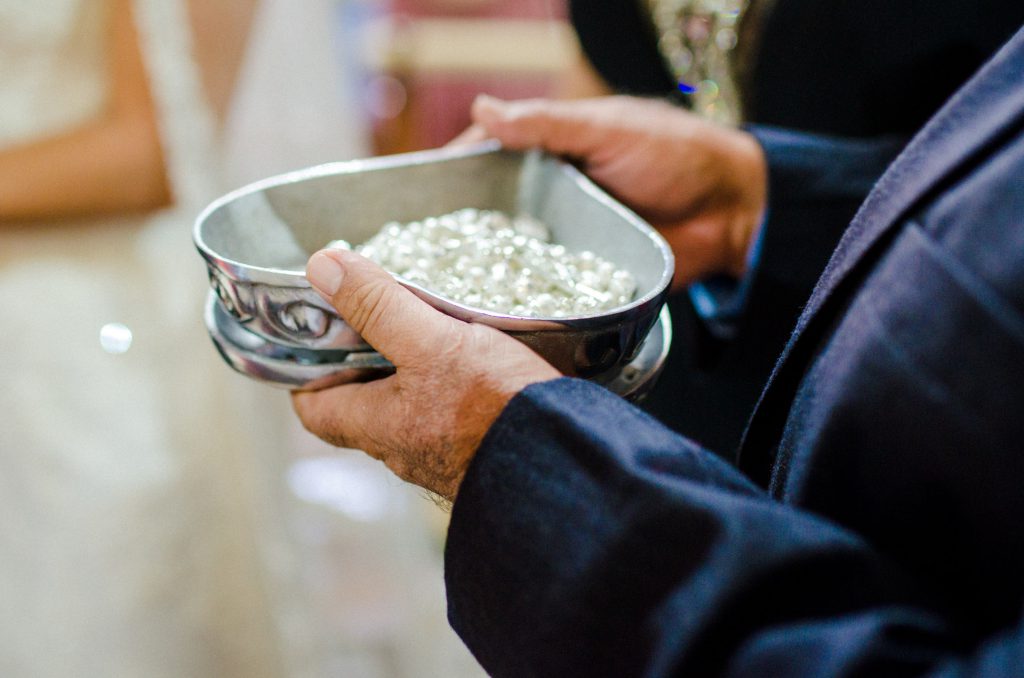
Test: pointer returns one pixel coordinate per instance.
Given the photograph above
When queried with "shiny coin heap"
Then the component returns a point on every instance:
(487, 260)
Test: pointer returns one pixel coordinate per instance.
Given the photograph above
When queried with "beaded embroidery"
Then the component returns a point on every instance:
(696, 38)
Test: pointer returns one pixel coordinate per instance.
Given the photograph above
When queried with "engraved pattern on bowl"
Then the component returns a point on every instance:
(227, 292)
(286, 367)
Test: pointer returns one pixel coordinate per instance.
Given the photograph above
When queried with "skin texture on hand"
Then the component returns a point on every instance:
(702, 185)
(451, 382)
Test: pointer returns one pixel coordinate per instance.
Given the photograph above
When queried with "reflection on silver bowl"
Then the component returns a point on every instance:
(294, 368)
(256, 241)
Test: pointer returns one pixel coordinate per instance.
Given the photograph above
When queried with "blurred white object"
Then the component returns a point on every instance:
(294, 104)
(130, 492)
(115, 338)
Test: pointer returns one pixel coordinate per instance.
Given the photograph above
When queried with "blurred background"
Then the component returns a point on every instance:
(427, 59)
(159, 514)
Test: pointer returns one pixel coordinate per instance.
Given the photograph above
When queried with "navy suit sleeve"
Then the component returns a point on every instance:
(587, 540)
(815, 186)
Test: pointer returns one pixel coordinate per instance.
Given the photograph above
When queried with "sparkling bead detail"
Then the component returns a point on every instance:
(697, 39)
(488, 260)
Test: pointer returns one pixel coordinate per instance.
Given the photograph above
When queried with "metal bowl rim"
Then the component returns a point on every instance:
(285, 278)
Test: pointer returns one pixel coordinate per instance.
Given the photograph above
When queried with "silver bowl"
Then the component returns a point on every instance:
(305, 369)
(257, 239)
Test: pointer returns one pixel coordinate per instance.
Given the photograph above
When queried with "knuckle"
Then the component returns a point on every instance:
(530, 116)
(369, 303)
(533, 111)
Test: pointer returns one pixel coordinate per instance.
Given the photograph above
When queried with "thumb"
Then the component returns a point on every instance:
(401, 327)
(559, 127)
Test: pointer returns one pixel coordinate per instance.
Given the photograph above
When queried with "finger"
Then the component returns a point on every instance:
(348, 375)
(344, 415)
(572, 128)
(696, 244)
(471, 135)
(401, 327)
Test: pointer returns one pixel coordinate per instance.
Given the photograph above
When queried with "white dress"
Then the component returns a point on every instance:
(133, 513)
(151, 521)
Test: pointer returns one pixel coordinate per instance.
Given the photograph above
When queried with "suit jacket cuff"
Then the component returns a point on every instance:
(815, 186)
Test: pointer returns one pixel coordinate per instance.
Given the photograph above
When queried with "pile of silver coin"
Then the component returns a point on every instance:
(489, 260)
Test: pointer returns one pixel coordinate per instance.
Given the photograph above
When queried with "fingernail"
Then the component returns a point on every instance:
(486, 108)
(324, 273)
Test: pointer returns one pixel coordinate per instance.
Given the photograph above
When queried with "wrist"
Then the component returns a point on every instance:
(749, 179)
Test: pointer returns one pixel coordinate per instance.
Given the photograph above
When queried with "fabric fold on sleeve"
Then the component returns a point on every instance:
(589, 540)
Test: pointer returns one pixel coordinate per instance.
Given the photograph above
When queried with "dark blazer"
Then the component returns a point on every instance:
(853, 68)
(872, 71)
(882, 533)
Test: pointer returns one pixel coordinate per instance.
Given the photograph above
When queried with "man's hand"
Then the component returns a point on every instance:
(452, 379)
(703, 186)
